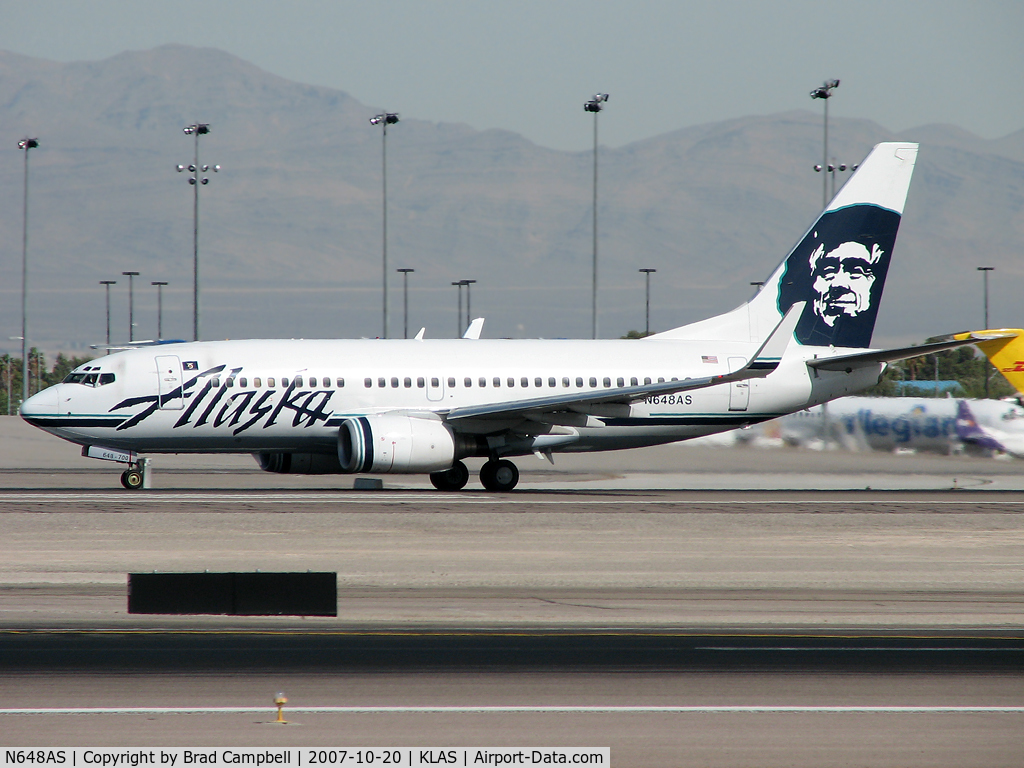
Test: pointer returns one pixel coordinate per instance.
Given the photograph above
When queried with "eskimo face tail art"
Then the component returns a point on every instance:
(839, 269)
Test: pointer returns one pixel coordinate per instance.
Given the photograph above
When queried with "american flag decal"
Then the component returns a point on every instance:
(713, 359)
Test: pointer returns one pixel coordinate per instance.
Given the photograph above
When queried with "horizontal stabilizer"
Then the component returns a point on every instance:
(849, 363)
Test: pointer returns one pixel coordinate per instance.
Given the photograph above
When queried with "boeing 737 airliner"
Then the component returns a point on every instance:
(421, 406)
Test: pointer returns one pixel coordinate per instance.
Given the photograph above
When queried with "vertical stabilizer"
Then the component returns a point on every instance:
(838, 267)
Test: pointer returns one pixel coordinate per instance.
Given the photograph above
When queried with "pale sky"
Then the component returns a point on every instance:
(528, 66)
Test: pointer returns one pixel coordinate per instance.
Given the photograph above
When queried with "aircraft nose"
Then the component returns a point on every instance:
(42, 404)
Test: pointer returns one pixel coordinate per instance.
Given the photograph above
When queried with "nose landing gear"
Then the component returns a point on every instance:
(499, 475)
(132, 479)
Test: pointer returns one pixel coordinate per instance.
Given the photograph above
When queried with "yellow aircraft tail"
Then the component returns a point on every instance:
(1004, 348)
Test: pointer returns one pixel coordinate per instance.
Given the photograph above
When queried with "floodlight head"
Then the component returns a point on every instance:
(180, 168)
(392, 118)
(27, 144)
(817, 168)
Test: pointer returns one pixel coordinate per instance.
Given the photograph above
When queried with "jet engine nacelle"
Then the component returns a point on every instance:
(299, 463)
(396, 442)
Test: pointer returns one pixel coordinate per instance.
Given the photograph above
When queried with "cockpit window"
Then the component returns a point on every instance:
(89, 379)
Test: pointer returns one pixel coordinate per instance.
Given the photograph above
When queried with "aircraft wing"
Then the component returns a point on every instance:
(765, 360)
(849, 363)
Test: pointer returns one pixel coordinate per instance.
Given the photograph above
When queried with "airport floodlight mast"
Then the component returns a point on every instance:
(106, 284)
(984, 271)
(469, 318)
(131, 304)
(458, 311)
(25, 144)
(405, 299)
(831, 169)
(824, 92)
(595, 105)
(159, 307)
(647, 305)
(196, 180)
(384, 119)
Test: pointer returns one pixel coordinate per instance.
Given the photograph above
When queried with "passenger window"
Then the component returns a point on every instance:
(593, 381)
(511, 382)
(382, 382)
(408, 382)
(243, 382)
(647, 380)
(256, 382)
(468, 382)
(312, 381)
(579, 381)
(551, 381)
(496, 381)
(230, 382)
(298, 381)
(565, 381)
(619, 382)
(106, 378)
(538, 382)
(451, 381)
(524, 382)
(421, 382)
(633, 382)
(215, 381)
(367, 383)
(483, 382)
(607, 382)
(661, 379)
(270, 381)
(394, 382)
(340, 382)
(436, 382)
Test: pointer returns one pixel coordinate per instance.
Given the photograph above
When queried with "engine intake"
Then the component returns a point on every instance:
(395, 442)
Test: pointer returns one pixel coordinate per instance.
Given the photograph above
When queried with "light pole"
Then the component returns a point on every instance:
(647, 277)
(159, 307)
(405, 298)
(595, 106)
(824, 92)
(984, 271)
(458, 312)
(469, 319)
(196, 180)
(131, 304)
(106, 284)
(831, 169)
(25, 144)
(384, 119)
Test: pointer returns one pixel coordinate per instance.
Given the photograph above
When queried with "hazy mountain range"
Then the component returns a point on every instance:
(290, 229)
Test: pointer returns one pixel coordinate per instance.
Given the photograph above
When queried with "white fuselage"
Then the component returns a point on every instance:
(292, 395)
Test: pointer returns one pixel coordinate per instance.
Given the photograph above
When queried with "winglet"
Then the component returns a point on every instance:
(419, 336)
(475, 329)
(769, 355)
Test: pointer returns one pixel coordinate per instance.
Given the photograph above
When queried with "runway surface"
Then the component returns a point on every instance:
(685, 607)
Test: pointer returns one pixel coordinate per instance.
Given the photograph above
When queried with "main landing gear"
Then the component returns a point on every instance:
(453, 479)
(497, 476)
